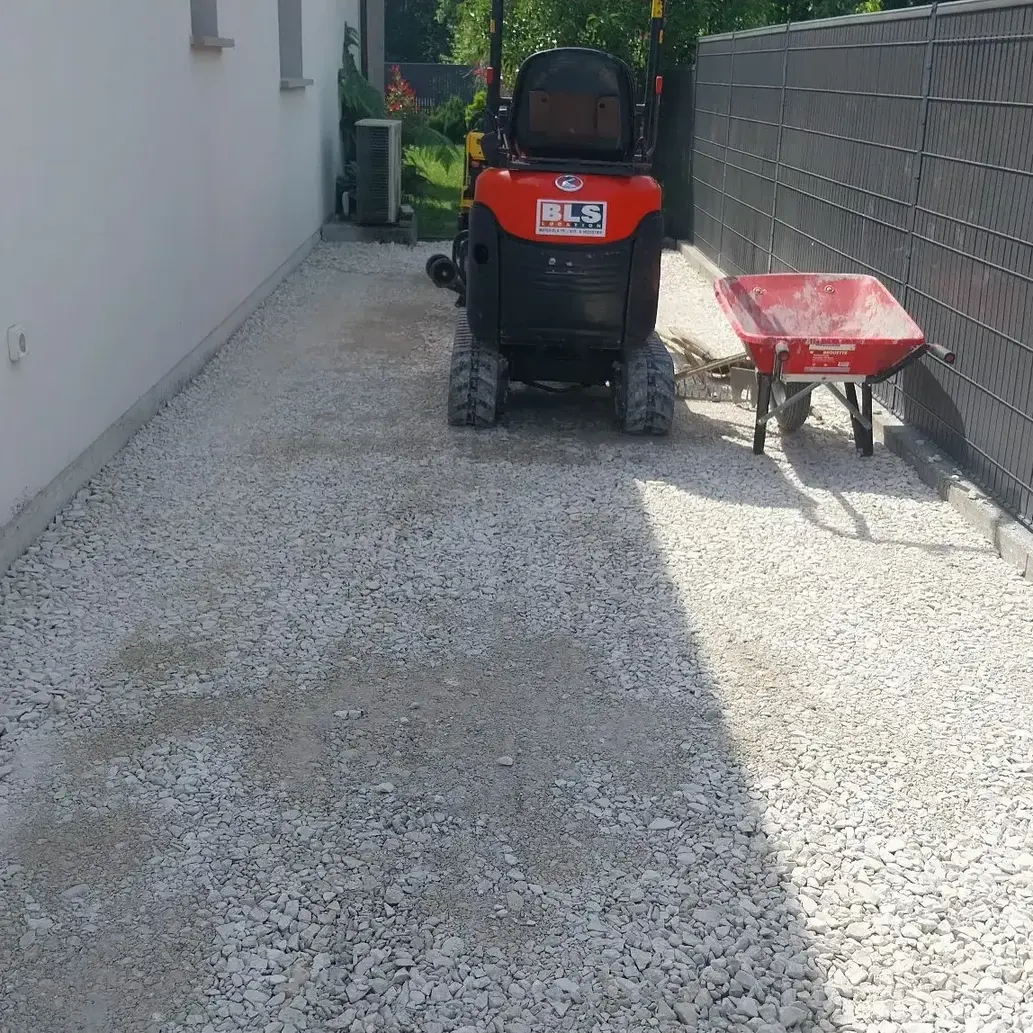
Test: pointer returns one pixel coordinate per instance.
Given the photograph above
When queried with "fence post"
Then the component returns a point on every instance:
(778, 145)
(892, 386)
(916, 175)
(690, 207)
(724, 166)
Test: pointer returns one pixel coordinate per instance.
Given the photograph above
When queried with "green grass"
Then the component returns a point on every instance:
(437, 202)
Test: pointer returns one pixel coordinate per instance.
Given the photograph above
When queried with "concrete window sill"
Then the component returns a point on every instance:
(296, 84)
(212, 42)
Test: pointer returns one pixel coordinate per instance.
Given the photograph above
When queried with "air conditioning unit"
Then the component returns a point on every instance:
(379, 173)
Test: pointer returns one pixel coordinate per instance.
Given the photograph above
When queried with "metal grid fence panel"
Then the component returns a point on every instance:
(713, 88)
(899, 145)
(972, 254)
(434, 83)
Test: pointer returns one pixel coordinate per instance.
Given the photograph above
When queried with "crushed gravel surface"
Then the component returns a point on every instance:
(318, 715)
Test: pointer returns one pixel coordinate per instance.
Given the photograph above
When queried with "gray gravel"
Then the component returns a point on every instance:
(687, 306)
(320, 716)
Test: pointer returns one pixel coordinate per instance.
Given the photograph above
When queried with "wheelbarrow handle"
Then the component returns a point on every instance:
(942, 353)
(936, 350)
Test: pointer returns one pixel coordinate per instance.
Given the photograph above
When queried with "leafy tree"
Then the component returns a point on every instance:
(804, 10)
(621, 26)
(618, 26)
(412, 31)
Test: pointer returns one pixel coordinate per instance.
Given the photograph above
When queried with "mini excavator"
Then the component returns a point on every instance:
(557, 260)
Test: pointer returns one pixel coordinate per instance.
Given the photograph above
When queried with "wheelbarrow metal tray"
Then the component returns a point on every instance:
(835, 327)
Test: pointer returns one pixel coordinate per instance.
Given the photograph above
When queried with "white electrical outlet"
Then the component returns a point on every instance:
(17, 343)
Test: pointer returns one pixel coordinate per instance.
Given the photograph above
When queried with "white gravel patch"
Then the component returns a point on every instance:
(687, 304)
(318, 715)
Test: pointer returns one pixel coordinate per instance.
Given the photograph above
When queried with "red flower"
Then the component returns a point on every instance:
(399, 95)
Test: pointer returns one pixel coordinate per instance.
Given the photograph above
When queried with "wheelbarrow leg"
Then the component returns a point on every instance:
(851, 394)
(760, 430)
(863, 436)
(866, 412)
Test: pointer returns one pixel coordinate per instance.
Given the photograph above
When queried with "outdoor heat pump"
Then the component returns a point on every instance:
(379, 171)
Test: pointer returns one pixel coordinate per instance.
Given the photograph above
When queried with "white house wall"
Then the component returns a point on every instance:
(147, 190)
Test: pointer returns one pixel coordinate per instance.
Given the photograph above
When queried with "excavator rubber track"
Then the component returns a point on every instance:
(645, 392)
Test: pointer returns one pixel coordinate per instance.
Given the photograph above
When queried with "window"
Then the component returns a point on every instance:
(204, 26)
(291, 75)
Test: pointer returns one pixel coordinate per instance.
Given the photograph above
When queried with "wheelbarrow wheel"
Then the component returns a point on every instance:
(795, 416)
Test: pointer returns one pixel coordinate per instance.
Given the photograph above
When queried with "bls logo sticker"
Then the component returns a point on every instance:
(571, 219)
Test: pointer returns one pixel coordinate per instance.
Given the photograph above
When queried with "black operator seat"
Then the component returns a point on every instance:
(573, 103)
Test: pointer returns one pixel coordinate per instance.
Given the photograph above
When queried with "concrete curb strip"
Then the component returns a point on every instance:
(33, 518)
(1013, 542)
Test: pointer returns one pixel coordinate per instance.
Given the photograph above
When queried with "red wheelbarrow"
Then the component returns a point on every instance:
(808, 330)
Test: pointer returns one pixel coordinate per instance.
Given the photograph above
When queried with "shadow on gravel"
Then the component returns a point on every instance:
(474, 774)
(822, 458)
(643, 872)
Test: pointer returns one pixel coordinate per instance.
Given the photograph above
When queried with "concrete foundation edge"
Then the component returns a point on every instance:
(340, 232)
(344, 231)
(36, 516)
(1013, 542)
